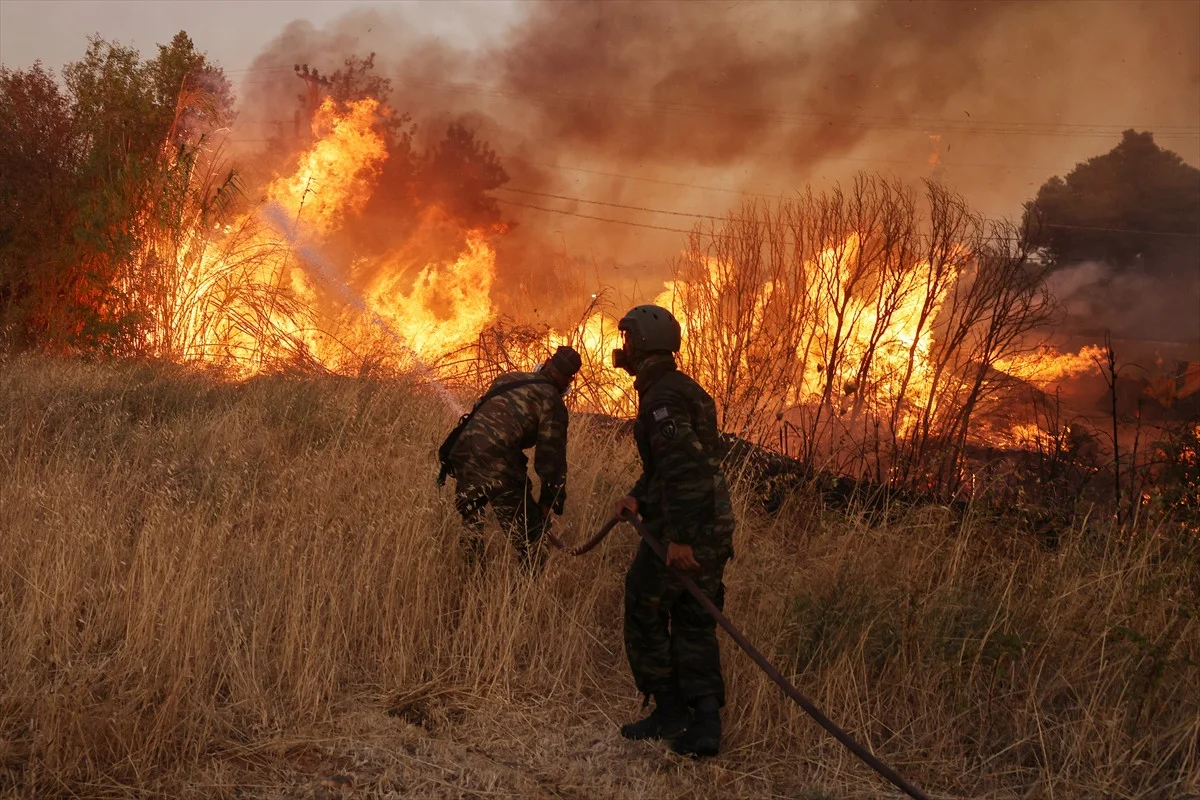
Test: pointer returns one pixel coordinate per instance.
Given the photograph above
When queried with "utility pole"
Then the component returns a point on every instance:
(313, 81)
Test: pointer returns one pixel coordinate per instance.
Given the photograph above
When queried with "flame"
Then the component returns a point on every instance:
(883, 349)
(438, 308)
(887, 350)
(602, 387)
(1025, 434)
(255, 297)
(1046, 367)
(257, 294)
(448, 305)
(335, 177)
(935, 140)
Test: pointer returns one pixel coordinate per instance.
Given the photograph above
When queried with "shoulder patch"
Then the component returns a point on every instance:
(660, 414)
(667, 429)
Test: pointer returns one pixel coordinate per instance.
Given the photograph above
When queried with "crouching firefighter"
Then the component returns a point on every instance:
(682, 498)
(484, 455)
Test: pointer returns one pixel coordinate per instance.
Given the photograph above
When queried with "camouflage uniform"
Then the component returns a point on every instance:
(682, 497)
(490, 467)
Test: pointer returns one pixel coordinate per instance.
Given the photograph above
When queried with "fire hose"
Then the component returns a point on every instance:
(774, 674)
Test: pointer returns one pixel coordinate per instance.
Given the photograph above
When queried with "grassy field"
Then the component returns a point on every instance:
(214, 589)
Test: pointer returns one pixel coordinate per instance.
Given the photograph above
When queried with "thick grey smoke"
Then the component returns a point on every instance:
(682, 106)
(696, 84)
(1130, 304)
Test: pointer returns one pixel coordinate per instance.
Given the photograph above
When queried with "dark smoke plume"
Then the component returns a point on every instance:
(681, 106)
(687, 84)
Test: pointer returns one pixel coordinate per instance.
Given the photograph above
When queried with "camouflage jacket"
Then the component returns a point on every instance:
(489, 450)
(682, 487)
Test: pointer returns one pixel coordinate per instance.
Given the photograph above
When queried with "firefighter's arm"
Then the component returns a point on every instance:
(682, 466)
(638, 492)
(550, 455)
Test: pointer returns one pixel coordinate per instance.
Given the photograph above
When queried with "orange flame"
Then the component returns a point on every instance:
(253, 298)
(335, 177)
(1047, 367)
(448, 305)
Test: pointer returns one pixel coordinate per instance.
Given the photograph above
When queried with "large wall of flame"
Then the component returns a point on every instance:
(760, 97)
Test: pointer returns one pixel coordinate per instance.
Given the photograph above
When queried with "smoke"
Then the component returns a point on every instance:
(694, 85)
(1138, 306)
(689, 107)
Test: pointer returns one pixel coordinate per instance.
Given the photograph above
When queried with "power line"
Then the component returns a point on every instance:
(691, 215)
(721, 219)
(591, 217)
(247, 70)
(612, 205)
(817, 118)
(767, 195)
(712, 234)
(1122, 230)
(638, 178)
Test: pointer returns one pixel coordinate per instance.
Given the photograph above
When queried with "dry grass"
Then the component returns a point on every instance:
(211, 589)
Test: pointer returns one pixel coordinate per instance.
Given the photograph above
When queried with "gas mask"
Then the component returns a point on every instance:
(623, 358)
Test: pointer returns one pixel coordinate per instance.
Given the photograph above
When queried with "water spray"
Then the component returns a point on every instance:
(326, 273)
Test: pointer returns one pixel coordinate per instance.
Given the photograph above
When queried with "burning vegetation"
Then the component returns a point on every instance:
(242, 537)
(870, 331)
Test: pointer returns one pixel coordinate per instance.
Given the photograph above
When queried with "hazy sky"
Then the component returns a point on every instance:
(232, 32)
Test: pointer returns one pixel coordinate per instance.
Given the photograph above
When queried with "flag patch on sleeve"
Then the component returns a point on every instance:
(660, 414)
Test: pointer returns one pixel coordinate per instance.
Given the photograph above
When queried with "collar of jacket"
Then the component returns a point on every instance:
(653, 368)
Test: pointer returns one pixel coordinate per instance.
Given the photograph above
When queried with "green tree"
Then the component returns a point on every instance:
(458, 172)
(83, 184)
(196, 91)
(1137, 206)
(129, 108)
(40, 151)
(137, 117)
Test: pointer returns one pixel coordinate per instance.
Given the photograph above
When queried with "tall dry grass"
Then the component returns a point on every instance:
(215, 589)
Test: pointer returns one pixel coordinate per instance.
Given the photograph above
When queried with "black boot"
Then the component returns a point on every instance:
(668, 719)
(703, 734)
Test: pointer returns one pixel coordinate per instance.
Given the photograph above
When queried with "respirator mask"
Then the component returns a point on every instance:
(623, 358)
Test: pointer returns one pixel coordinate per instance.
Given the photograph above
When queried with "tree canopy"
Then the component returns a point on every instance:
(79, 163)
(1135, 207)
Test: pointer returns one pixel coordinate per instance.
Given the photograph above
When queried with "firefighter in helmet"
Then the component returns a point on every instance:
(486, 455)
(683, 499)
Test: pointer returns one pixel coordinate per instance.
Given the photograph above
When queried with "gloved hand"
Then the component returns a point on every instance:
(553, 498)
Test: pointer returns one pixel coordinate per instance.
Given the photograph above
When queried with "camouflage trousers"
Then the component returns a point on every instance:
(670, 640)
(516, 510)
